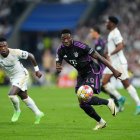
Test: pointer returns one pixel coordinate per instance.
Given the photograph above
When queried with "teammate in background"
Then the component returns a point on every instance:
(115, 51)
(9, 61)
(100, 47)
(80, 56)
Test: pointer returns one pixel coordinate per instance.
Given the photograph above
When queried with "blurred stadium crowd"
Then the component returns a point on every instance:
(44, 44)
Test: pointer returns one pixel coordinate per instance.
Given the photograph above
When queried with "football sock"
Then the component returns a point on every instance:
(31, 104)
(111, 90)
(97, 101)
(112, 96)
(133, 93)
(89, 110)
(15, 101)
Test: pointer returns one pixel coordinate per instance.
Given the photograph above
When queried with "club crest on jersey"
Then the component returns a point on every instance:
(75, 54)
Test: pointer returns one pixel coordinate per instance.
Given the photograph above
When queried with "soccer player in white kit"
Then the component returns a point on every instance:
(9, 61)
(115, 52)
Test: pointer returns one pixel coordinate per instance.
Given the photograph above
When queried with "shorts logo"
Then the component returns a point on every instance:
(90, 80)
(75, 54)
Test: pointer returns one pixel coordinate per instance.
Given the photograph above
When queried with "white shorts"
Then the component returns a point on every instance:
(20, 81)
(123, 68)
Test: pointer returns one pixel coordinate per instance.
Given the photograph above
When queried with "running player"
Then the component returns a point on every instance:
(80, 56)
(115, 51)
(9, 61)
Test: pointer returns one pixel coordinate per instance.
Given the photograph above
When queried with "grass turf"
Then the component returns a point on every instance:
(64, 120)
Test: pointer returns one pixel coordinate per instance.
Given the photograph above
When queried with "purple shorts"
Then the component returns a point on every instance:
(91, 79)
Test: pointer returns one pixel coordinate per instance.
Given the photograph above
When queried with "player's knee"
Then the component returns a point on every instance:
(108, 87)
(83, 105)
(126, 83)
(23, 95)
(11, 93)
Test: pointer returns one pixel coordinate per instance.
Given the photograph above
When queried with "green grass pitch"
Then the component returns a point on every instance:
(64, 120)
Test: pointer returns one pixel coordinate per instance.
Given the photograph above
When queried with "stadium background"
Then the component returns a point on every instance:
(34, 26)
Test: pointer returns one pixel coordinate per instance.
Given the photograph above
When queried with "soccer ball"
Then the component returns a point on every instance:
(85, 93)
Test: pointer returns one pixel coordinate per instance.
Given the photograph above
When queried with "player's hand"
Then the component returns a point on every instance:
(38, 74)
(117, 74)
(58, 67)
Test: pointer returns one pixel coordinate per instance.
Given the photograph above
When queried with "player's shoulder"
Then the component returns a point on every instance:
(79, 44)
(15, 51)
(60, 47)
(116, 31)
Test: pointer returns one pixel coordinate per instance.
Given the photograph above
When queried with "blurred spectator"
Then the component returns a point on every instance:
(48, 63)
(9, 12)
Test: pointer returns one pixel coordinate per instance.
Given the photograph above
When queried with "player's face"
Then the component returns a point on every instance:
(109, 25)
(92, 33)
(66, 39)
(4, 48)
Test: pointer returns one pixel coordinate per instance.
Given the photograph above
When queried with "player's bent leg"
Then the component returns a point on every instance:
(89, 110)
(31, 104)
(97, 101)
(133, 93)
(15, 101)
(108, 88)
(121, 99)
(100, 101)
(112, 96)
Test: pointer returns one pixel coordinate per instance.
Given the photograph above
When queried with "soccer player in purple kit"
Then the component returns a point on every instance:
(82, 57)
(101, 48)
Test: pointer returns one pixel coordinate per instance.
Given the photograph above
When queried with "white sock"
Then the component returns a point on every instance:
(31, 104)
(102, 121)
(111, 89)
(133, 93)
(15, 101)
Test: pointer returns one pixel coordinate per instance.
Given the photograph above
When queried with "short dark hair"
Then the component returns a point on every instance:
(97, 29)
(2, 39)
(113, 19)
(65, 31)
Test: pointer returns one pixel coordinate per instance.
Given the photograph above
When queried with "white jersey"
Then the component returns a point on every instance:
(115, 38)
(11, 63)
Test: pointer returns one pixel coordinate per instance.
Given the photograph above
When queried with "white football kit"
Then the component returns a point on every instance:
(14, 69)
(118, 60)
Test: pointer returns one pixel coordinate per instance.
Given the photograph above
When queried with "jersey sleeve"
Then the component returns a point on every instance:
(89, 50)
(21, 54)
(84, 47)
(59, 56)
(117, 38)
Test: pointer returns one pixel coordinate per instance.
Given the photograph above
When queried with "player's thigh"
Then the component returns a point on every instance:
(126, 83)
(106, 78)
(124, 70)
(92, 80)
(14, 90)
(21, 81)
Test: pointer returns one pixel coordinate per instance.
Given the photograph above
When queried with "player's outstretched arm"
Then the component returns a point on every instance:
(116, 73)
(34, 63)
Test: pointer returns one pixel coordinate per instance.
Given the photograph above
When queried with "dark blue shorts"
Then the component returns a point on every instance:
(90, 78)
